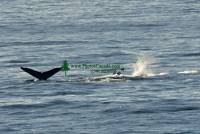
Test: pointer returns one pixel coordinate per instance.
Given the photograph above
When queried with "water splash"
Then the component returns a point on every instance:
(143, 67)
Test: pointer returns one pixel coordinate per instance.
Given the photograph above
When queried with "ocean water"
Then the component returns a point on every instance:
(156, 38)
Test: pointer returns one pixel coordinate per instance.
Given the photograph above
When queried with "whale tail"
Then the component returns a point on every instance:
(41, 75)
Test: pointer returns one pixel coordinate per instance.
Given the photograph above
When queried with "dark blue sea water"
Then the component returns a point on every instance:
(41, 34)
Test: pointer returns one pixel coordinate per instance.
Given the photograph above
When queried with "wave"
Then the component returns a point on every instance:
(191, 54)
(34, 105)
(164, 110)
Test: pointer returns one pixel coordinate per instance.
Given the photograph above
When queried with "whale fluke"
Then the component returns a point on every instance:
(41, 75)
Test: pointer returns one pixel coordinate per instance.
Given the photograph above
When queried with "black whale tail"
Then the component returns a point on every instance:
(41, 75)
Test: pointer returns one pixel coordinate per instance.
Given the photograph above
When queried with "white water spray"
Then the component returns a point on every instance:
(143, 67)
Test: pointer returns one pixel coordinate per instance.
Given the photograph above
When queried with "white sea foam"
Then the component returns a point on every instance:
(163, 73)
(188, 72)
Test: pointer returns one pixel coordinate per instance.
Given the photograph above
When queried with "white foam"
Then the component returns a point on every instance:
(161, 74)
(188, 72)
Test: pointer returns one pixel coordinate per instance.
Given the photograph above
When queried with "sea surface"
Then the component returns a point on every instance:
(157, 40)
